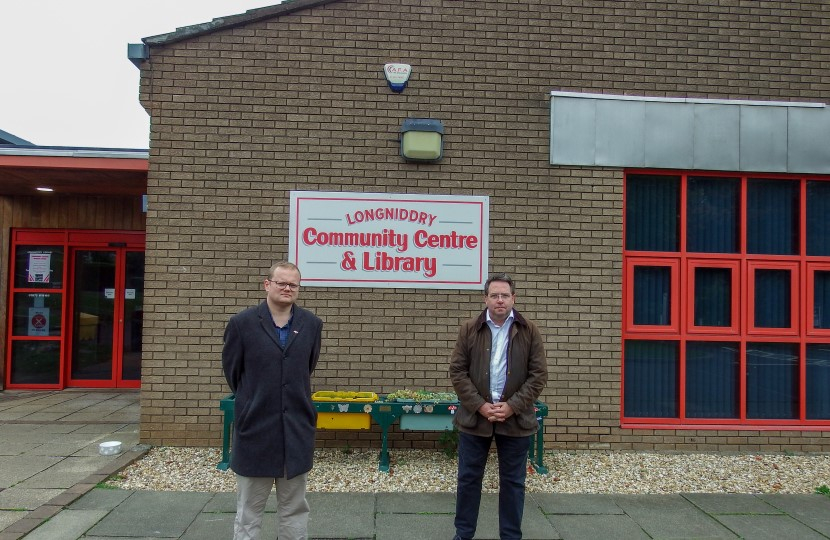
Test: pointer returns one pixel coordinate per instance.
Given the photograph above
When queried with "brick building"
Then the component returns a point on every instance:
(596, 222)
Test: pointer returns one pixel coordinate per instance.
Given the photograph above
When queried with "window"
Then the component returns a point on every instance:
(726, 295)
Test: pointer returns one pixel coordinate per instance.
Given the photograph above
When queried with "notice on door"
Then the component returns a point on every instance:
(38, 321)
(39, 267)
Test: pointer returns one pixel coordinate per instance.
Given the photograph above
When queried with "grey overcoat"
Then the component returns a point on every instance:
(274, 417)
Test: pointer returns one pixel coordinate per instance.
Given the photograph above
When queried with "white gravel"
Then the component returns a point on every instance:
(194, 469)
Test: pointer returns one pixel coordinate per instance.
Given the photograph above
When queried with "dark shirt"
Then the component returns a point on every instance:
(285, 331)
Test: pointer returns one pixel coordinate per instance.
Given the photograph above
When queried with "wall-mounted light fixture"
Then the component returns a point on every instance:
(422, 139)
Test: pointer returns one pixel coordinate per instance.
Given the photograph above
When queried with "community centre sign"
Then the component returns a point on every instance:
(343, 239)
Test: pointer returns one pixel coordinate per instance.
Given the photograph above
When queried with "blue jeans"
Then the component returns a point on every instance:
(472, 458)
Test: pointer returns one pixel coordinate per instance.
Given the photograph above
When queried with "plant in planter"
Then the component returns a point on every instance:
(420, 395)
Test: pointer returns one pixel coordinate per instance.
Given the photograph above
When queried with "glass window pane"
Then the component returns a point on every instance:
(133, 316)
(821, 299)
(772, 380)
(713, 215)
(652, 213)
(651, 379)
(713, 297)
(772, 299)
(818, 226)
(36, 362)
(772, 217)
(38, 267)
(818, 381)
(652, 295)
(712, 380)
(94, 315)
(37, 314)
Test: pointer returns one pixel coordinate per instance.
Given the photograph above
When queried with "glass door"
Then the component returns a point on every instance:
(107, 309)
(132, 320)
(93, 316)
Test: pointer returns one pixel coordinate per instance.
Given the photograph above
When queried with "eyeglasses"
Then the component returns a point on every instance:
(497, 296)
(284, 284)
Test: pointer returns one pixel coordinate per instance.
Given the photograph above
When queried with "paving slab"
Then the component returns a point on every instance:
(576, 503)
(67, 525)
(16, 469)
(7, 517)
(415, 503)
(671, 516)
(10, 448)
(17, 498)
(71, 471)
(101, 499)
(342, 515)
(411, 527)
(812, 510)
(57, 429)
(596, 526)
(153, 514)
(211, 526)
(534, 523)
(62, 448)
(730, 503)
(769, 527)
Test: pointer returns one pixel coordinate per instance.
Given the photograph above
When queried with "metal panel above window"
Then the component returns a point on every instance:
(689, 133)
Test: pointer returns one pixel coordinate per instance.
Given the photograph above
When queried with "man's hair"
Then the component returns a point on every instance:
(283, 264)
(499, 277)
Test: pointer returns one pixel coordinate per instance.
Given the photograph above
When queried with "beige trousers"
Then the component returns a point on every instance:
(292, 508)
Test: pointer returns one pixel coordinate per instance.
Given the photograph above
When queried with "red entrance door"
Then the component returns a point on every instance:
(76, 309)
(107, 308)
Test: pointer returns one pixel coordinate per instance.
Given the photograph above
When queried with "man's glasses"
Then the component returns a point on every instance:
(284, 284)
(497, 296)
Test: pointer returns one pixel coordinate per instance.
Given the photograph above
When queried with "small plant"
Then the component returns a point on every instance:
(448, 441)
(106, 484)
(420, 395)
(823, 490)
(347, 449)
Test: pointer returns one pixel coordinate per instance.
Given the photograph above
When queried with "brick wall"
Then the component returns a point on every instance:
(243, 115)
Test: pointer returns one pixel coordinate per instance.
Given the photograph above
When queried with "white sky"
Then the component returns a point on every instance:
(65, 79)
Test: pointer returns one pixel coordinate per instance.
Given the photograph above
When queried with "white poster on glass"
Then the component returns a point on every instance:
(39, 267)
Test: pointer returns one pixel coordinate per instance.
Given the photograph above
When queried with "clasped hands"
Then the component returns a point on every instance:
(496, 412)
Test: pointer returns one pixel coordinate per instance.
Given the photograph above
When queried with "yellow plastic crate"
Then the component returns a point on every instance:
(337, 420)
(329, 395)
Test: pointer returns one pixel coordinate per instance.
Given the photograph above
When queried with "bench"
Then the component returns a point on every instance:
(421, 416)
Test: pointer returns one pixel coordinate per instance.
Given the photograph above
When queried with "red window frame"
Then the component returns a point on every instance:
(742, 329)
(734, 304)
(809, 299)
(789, 331)
(674, 297)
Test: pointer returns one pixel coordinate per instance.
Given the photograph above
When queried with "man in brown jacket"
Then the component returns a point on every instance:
(498, 369)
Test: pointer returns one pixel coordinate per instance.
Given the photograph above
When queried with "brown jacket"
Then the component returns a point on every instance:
(527, 373)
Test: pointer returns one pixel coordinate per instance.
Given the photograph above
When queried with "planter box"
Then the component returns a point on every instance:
(427, 422)
(328, 395)
(342, 420)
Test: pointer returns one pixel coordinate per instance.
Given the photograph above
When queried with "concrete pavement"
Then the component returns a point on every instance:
(49, 469)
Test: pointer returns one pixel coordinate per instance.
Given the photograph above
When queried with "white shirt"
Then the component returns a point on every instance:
(498, 355)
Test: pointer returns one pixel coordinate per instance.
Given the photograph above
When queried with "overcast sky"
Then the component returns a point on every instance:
(65, 79)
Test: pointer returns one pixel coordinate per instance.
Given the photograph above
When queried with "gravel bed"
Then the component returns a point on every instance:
(194, 469)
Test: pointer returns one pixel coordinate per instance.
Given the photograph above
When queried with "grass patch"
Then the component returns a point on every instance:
(823, 490)
(106, 483)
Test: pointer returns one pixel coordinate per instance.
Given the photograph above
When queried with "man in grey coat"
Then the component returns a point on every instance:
(269, 354)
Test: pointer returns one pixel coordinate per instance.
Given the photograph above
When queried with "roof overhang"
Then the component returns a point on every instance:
(72, 171)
